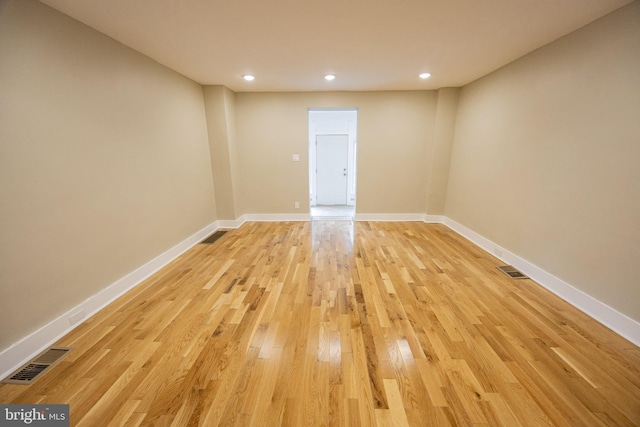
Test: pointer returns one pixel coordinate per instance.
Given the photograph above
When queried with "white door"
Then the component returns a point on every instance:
(332, 153)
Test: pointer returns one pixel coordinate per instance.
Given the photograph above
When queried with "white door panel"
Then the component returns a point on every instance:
(331, 169)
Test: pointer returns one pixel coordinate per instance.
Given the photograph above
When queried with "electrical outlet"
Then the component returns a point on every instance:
(296, 205)
(296, 157)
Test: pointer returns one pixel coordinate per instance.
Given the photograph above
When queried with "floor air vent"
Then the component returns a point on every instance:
(215, 236)
(512, 272)
(32, 370)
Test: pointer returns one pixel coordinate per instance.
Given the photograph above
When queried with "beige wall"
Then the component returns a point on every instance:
(545, 159)
(395, 132)
(220, 111)
(234, 160)
(104, 164)
(439, 158)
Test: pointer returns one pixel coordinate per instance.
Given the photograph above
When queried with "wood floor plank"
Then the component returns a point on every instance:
(342, 324)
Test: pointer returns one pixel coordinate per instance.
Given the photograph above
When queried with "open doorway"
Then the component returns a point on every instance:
(332, 163)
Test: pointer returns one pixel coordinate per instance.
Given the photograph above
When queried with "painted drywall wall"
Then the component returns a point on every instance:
(545, 159)
(104, 163)
(220, 111)
(439, 159)
(395, 131)
(230, 108)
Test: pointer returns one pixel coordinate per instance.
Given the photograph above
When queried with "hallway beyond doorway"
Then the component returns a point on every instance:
(332, 156)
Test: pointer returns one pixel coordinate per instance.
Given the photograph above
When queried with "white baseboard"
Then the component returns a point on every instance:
(390, 217)
(614, 320)
(22, 351)
(231, 223)
(307, 217)
(434, 219)
(276, 217)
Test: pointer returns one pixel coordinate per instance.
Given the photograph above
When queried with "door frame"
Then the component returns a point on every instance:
(332, 121)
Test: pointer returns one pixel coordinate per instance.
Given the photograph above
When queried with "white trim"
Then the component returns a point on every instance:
(276, 217)
(231, 223)
(22, 351)
(611, 318)
(434, 219)
(390, 217)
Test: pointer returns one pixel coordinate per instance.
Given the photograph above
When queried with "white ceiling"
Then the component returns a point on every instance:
(369, 44)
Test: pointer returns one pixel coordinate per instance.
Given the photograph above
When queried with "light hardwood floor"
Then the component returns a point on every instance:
(336, 323)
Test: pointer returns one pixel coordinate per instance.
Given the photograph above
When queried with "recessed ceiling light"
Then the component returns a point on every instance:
(425, 75)
(329, 77)
(248, 77)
